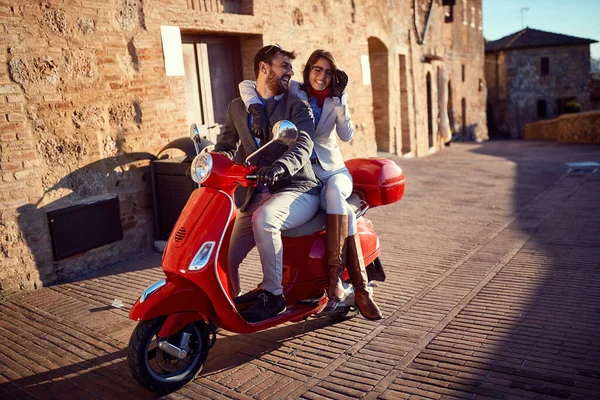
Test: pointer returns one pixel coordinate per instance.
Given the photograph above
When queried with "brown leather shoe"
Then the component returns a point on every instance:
(337, 232)
(358, 276)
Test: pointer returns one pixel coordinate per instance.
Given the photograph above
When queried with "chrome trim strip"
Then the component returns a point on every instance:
(152, 288)
(219, 248)
(363, 209)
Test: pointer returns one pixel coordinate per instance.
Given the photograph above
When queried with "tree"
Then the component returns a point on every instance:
(595, 68)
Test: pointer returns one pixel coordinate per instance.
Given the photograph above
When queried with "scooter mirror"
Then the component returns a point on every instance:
(194, 130)
(285, 132)
(195, 136)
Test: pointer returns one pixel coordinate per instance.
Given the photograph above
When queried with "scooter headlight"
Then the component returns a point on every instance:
(201, 167)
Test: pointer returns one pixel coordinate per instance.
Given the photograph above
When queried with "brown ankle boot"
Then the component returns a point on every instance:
(337, 232)
(358, 276)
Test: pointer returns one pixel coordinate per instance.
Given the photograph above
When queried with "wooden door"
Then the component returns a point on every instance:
(212, 74)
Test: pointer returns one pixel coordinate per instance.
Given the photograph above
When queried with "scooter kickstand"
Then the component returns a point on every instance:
(332, 305)
(304, 323)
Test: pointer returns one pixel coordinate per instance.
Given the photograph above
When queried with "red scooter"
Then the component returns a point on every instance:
(179, 314)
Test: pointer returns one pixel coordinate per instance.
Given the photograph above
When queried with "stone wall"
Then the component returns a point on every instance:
(582, 127)
(86, 102)
(518, 86)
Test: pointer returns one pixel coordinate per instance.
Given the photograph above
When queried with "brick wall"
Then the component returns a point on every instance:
(86, 103)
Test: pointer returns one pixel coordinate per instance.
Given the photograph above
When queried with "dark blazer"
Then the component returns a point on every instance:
(237, 142)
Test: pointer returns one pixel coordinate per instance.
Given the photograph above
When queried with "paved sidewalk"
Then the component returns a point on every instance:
(493, 291)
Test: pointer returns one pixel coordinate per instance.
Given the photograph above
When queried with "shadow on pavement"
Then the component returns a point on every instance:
(108, 376)
(535, 324)
(105, 376)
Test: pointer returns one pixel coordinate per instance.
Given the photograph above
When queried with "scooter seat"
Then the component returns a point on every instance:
(318, 221)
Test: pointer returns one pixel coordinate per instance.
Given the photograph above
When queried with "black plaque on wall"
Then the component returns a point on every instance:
(84, 226)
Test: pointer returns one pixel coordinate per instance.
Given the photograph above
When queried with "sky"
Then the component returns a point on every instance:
(579, 18)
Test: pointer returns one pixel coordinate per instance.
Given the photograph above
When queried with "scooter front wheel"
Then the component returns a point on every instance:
(160, 370)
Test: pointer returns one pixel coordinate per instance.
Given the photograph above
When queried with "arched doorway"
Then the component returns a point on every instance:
(378, 62)
(429, 111)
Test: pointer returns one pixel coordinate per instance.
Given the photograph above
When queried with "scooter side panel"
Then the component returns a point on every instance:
(368, 240)
(229, 317)
(212, 225)
(305, 270)
(304, 267)
(176, 296)
(198, 201)
(205, 223)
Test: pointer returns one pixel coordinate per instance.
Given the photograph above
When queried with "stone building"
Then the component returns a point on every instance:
(532, 75)
(91, 90)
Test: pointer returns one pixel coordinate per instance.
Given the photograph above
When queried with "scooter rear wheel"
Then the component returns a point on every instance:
(157, 370)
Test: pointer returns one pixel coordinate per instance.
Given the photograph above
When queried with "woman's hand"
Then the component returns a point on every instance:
(260, 121)
(340, 81)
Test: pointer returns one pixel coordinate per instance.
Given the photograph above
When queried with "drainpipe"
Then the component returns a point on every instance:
(498, 90)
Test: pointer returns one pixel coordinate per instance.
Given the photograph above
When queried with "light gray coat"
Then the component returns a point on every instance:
(335, 115)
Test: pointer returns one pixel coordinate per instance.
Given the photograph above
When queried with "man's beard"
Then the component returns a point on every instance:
(274, 84)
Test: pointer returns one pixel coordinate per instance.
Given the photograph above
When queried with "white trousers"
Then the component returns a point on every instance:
(260, 225)
(337, 188)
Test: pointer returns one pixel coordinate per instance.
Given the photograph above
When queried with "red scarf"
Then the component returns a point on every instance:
(320, 95)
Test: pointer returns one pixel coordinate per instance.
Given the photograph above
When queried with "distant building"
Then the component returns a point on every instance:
(532, 75)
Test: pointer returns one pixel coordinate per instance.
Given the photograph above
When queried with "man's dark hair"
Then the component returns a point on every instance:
(267, 53)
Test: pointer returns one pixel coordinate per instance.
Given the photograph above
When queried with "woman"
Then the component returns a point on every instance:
(323, 87)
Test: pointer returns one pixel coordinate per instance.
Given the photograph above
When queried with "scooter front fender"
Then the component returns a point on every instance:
(177, 295)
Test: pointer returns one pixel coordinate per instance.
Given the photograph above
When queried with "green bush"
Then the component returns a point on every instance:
(572, 106)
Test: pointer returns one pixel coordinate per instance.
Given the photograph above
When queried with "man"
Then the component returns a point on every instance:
(286, 195)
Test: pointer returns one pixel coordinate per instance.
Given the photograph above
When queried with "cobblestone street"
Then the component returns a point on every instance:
(493, 291)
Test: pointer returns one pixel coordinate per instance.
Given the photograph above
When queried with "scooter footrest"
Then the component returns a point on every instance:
(311, 302)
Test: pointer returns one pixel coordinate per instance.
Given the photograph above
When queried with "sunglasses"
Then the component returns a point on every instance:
(273, 46)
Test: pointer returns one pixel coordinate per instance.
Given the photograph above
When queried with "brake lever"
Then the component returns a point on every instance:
(252, 177)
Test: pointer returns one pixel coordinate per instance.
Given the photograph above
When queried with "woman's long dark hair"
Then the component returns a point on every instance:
(314, 57)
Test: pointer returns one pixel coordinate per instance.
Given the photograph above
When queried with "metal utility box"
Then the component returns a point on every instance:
(171, 185)
(171, 190)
